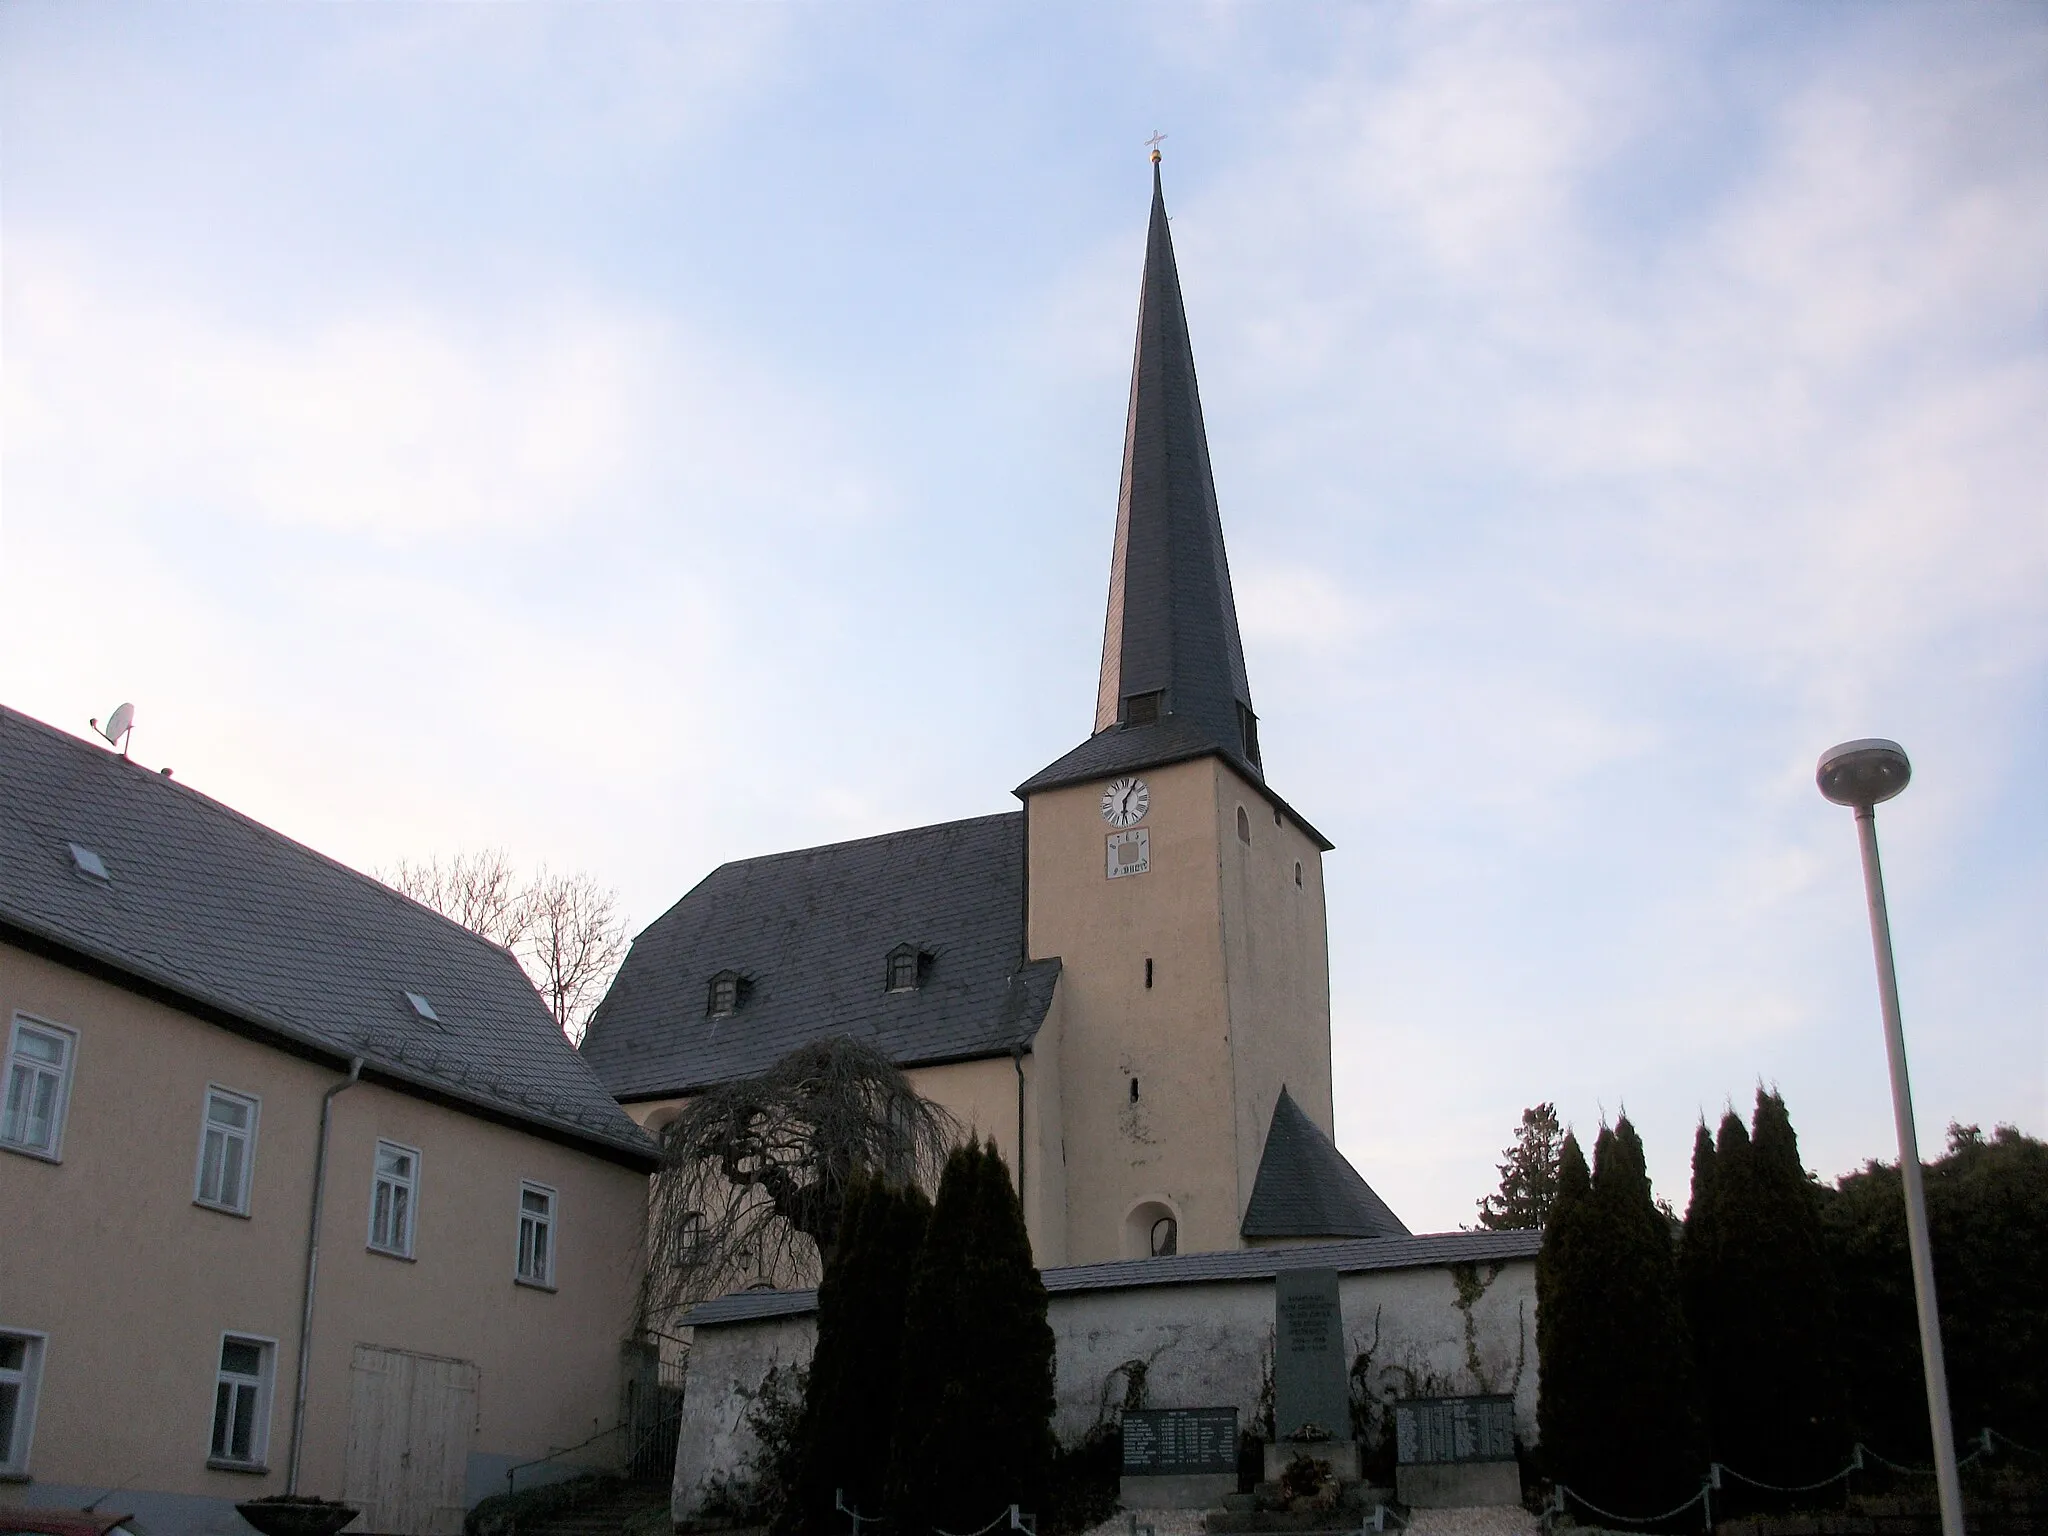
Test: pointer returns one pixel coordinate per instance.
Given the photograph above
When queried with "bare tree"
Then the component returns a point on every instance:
(564, 930)
(478, 890)
(574, 943)
(754, 1173)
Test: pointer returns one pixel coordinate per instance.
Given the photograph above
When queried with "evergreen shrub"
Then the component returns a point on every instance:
(973, 1429)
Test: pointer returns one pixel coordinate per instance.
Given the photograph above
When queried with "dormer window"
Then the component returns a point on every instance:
(907, 968)
(1248, 730)
(1144, 708)
(728, 994)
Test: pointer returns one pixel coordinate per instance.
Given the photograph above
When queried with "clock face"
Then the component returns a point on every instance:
(1124, 802)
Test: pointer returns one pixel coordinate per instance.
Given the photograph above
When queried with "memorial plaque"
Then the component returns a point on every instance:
(1435, 1430)
(1311, 1377)
(1179, 1442)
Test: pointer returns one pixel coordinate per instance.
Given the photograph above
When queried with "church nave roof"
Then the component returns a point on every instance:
(770, 953)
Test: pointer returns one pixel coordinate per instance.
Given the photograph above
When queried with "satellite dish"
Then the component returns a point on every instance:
(118, 725)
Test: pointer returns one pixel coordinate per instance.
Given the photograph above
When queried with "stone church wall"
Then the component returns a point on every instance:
(1420, 1332)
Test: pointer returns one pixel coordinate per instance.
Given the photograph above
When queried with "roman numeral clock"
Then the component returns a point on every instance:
(1129, 852)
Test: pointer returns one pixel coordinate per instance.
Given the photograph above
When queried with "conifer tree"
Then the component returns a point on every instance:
(1772, 1393)
(1651, 1454)
(1615, 1409)
(1566, 1414)
(843, 1442)
(974, 1417)
(1528, 1176)
(1699, 1270)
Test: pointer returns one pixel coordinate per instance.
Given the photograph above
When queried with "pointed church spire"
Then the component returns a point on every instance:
(1170, 646)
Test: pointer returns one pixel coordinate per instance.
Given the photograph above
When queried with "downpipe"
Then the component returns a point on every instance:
(355, 1073)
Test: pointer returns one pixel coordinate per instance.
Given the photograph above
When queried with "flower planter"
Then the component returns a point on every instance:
(297, 1517)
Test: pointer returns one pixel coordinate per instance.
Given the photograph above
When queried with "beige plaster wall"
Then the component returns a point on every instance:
(134, 1284)
(1239, 1001)
(1276, 952)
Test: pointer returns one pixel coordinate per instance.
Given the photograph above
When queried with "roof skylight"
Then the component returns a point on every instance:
(88, 863)
(422, 1007)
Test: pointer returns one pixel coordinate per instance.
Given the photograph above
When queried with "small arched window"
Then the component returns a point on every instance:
(1297, 871)
(1165, 1237)
(1244, 827)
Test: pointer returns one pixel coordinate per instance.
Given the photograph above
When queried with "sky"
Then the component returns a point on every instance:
(638, 436)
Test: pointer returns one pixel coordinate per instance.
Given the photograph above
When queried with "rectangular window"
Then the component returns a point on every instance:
(38, 1087)
(227, 1151)
(241, 1402)
(536, 1234)
(393, 1196)
(21, 1372)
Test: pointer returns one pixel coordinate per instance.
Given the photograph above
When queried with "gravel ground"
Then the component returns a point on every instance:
(1496, 1520)
(1426, 1522)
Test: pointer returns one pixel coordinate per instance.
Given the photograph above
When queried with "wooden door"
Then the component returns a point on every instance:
(409, 1426)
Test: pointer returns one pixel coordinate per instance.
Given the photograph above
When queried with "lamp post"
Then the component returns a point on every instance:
(1861, 774)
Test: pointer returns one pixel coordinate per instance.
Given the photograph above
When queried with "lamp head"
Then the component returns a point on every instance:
(1863, 772)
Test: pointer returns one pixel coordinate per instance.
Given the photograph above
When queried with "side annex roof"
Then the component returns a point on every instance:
(1307, 1188)
(809, 934)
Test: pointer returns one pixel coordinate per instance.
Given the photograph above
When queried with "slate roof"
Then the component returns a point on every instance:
(1307, 1188)
(1171, 625)
(810, 931)
(1360, 1256)
(231, 920)
(1171, 739)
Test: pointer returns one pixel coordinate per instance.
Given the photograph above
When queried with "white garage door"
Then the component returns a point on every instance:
(409, 1426)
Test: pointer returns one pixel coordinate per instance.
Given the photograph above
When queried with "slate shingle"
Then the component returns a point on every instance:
(222, 911)
(811, 932)
(1307, 1188)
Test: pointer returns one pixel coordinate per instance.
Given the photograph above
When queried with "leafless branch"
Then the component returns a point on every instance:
(754, 1173)
(478, 890)
(565, 930)
(574, 943)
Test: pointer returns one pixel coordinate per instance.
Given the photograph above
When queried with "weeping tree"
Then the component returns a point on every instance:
(755, 1173)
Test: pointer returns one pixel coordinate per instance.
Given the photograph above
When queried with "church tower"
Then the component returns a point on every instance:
(1182, 896)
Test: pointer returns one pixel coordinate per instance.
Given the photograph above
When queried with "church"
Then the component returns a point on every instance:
(1126, 985)
(1126, 982)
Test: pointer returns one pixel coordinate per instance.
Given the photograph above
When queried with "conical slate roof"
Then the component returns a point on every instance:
(1307, 1188)
(1173, 683)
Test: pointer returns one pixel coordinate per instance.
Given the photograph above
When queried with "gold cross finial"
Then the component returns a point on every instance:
(1153, 144)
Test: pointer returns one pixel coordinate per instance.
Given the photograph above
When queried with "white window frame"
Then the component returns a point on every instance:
(264, 1383)
(545, 1279)
(61, 1111)
(239, 1205)
(28, 1380)
(378, 1179)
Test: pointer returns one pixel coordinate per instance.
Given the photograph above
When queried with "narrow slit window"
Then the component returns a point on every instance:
(1244, 827)
(394, 1199)
(1148, 972)
(1297, 871)
(38, 1088)
(241, 1402)
(1134, 1090)
(227, 1151)
(536, 1235)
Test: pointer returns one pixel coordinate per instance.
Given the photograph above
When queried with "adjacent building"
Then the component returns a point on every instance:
(300, 1186)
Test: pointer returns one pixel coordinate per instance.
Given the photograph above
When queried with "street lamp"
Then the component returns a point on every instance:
(1861, 774)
